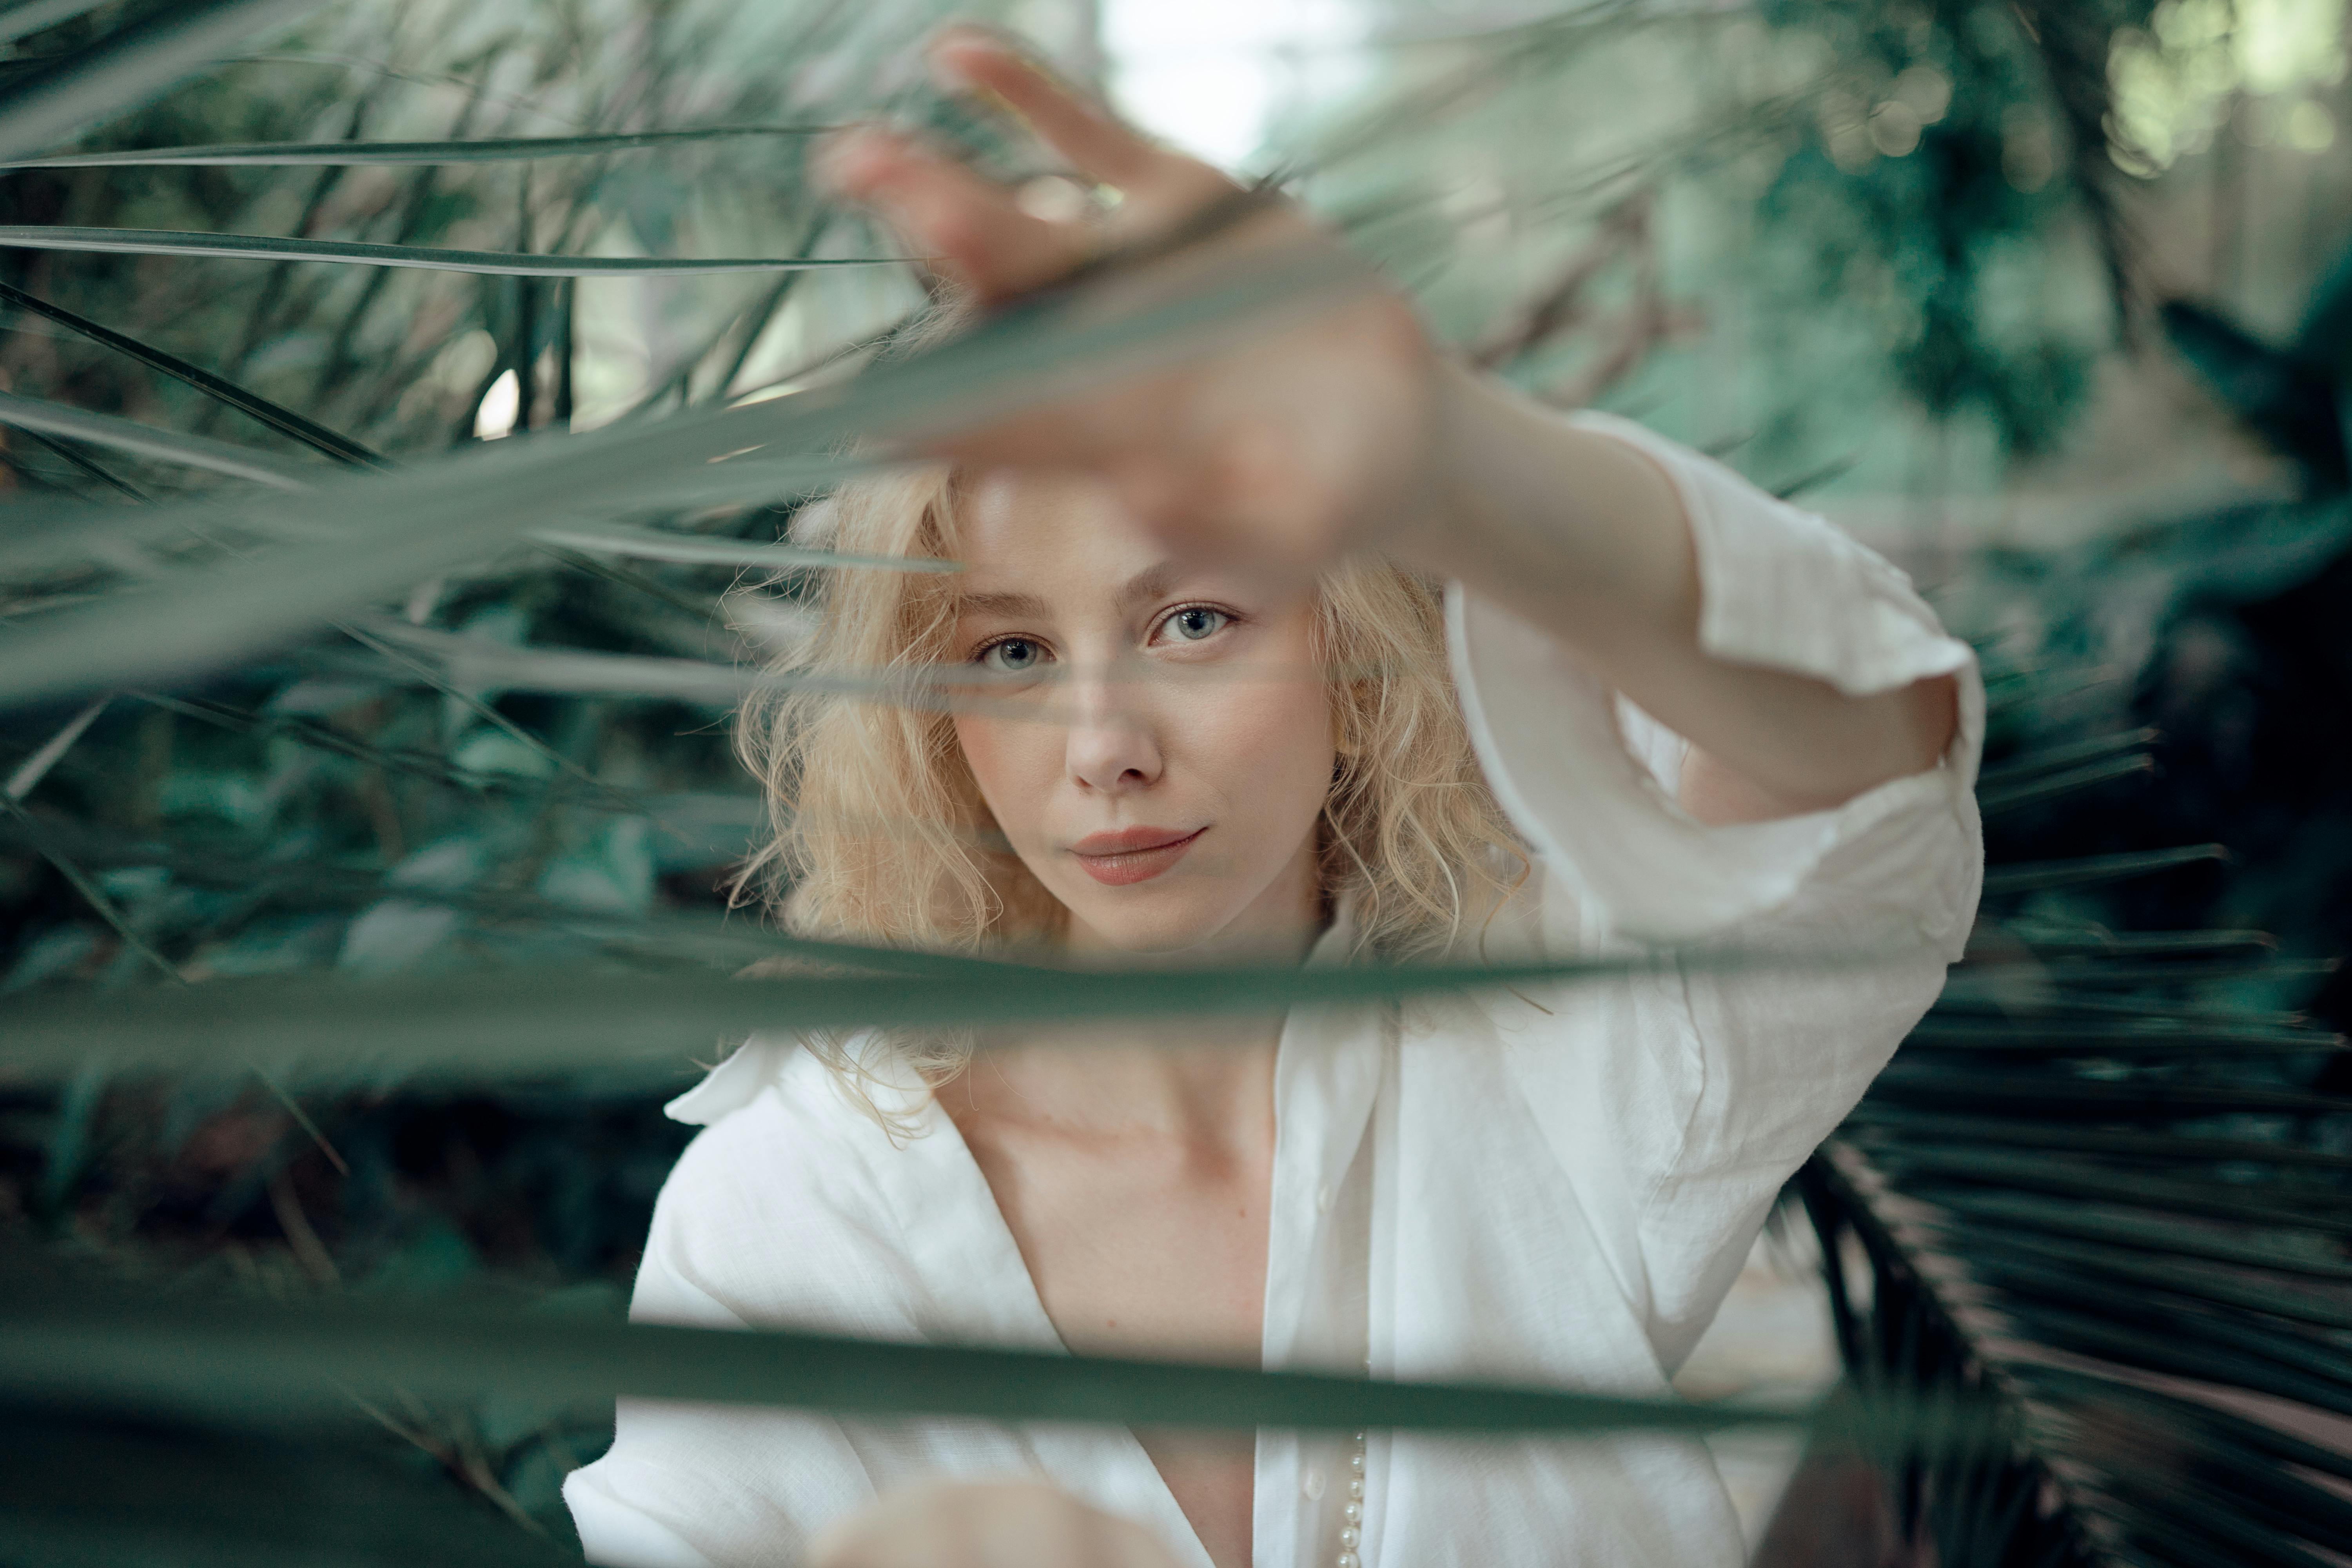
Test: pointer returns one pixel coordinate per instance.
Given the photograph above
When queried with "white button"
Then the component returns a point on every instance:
(1312, 1486)
(1323, 1198)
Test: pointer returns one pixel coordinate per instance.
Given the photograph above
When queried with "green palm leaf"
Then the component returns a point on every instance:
(482, 150)
(2044, 1178)
(199, 1372)
(32, 16)
(2056, 759)
(64, 535)
(705, 549)
(432, 517)
(129, 436)
(1875, 1118)
(2022, 1262)
(476, 662)
(2034, 792)
(210, 1359)
(128, 67)
(75, 1343)
(1926, 1169)
(497, 263)
(284, 420)
(2090, 870)
(2309, 1258)
(2090, 1166)
(527, 1023)
(2059, 1096)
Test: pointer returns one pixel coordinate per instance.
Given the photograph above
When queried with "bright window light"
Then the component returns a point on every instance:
(1211, 76)
(501, 406)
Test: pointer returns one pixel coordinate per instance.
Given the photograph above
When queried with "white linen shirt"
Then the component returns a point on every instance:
(1552, 1185)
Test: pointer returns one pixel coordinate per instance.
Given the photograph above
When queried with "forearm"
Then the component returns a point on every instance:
(1580, 534)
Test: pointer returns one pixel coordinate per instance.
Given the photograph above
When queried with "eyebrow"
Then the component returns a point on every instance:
(1151, 583)
(1014, 607)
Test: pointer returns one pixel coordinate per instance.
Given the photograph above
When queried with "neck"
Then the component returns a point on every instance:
(1208, 1081)
(1201, 1081)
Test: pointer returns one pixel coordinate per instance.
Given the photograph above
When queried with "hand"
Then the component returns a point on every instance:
(989, 1524)
(1310, 434)
(1341, 426)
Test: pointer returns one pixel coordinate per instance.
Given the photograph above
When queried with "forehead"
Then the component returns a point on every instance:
(1049, 534)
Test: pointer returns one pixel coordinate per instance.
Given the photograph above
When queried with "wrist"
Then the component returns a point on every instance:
(1433, 532)
(1568, 527)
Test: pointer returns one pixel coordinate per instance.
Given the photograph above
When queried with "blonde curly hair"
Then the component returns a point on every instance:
(878, 833)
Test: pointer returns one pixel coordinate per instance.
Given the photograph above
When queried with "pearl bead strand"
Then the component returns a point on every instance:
(1352, 1533)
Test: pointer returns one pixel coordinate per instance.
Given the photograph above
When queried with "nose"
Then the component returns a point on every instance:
(1114, 742)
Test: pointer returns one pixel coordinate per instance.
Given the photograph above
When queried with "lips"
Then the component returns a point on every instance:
(1132, 854)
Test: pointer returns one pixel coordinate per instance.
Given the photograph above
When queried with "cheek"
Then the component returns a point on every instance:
(981, 743)
(1005, 757)
(1269, 744)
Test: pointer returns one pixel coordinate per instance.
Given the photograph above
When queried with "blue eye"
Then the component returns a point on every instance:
(1196, 621)
(1013, 656)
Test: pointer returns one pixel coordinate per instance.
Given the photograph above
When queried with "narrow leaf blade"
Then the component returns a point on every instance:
(336, 154)
(497, 263)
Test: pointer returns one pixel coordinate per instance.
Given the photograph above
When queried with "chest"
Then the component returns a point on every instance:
(1140, 1252)
(1409, 1222)
(1146, 1248)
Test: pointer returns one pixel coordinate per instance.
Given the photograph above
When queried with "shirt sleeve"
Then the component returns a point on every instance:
(716, 1485)
(1683, 1100)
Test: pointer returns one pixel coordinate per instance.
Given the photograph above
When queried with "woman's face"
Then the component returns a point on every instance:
(1153, 737)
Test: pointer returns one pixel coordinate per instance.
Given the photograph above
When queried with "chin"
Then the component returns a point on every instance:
(1175, 927)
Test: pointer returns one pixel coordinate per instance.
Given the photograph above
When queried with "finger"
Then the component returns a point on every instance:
(968, 227)
(1080, 131)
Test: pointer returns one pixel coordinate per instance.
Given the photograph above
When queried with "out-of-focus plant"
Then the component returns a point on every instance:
(354, 807)
(2106, 1180)
(1839, 231)
(366, 645)
(1954, 147)
(2176, 79)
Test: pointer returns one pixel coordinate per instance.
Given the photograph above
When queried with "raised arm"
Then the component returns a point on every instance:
(1346, 427)
(1578, 532)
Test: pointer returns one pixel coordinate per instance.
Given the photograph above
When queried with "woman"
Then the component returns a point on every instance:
(1220, 712)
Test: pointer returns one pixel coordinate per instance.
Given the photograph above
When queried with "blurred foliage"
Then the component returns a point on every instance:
(2217, 626)
(1814, 231)
(2176, 78)
(1896, 196)
(1953, 138)
(326, 809)
(2106, 1181)
(323, 812)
